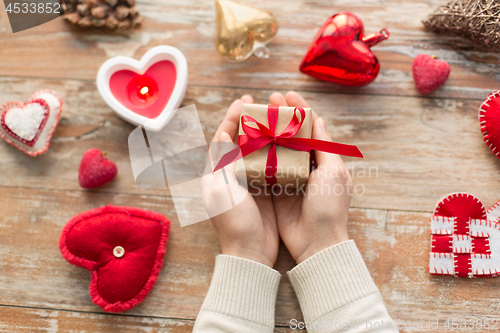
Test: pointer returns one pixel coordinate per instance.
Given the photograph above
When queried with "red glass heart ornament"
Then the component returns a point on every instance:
(123, 247)
(340, 53)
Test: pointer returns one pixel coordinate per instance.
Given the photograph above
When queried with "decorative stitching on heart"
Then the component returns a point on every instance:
(442, 243)
(481, 255)
(485, 222)
(488, 273)
(479, 234)
(473, 242)
(46, 131)
(462, 244)
(455, 195)
(440, 255)
(482, 114)
(480, 245)
(442, 225)
(461, 263)
(495, 207)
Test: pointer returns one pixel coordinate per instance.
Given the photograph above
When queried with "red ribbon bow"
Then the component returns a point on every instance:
(261, 136)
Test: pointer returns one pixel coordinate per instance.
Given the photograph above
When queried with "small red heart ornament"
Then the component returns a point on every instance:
(95, 169)
(429, 73)
(29, 126)
(340, 53)
(122, 247)
(489, 119)
(465, 238)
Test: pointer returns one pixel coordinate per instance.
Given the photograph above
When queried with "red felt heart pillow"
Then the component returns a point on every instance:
(489, 118)
(123, 247)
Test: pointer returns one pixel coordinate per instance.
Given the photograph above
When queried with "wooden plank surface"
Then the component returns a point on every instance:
(417, 149)
(36, 275)
(31, 320)
(405, 140)
(190, 26)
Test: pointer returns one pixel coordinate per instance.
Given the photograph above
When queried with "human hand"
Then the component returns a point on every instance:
(316, 220)
(249, 229)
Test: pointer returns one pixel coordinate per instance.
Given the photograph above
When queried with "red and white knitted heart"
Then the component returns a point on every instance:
(489, 118)
(465, 238)
(29, 126)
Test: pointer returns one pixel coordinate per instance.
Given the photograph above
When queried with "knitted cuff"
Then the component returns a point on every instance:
(244, 289)
(330, 279)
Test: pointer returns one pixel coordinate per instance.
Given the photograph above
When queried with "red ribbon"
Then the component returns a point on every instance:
(261, 136)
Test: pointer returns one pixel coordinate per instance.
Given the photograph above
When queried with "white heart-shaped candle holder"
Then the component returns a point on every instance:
(145, 92)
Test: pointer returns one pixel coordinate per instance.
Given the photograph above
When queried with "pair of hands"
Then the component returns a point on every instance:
(307, 222)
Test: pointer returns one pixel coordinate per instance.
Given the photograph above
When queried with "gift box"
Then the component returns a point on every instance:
(292, 166)
(274, 146)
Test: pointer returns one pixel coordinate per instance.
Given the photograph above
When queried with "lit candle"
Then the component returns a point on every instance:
(142, 91)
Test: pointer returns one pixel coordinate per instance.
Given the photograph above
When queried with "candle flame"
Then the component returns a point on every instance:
(144, 90)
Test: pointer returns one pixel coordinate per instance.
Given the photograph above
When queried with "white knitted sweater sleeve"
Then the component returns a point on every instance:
(337, 294)
(334, 289)
(241, 298)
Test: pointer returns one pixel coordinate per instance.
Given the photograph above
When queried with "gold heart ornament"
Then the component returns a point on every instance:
(243, 30)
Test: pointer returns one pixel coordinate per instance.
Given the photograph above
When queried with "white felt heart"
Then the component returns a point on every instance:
(26, 121)
(154, 56)
(30, 126)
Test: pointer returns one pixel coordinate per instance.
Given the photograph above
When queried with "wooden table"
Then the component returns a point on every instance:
(418, 149)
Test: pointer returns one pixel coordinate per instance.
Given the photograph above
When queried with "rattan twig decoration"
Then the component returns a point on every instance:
(478, 20)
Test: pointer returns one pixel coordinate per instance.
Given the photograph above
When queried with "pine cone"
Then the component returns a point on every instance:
(109, 14)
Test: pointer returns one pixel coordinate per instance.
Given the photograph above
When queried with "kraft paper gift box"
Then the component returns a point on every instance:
(293, 166)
